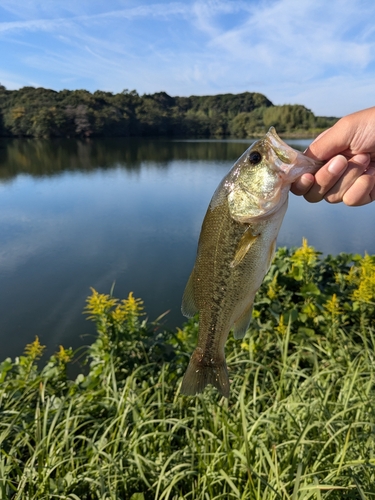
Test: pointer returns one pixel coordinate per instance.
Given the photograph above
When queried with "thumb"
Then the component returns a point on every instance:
(329, 143)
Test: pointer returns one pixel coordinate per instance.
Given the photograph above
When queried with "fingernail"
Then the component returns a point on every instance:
(306, 181)
(337, 165)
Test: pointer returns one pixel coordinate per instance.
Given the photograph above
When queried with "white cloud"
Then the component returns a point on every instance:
(275, 39)
(291, 51)
(32, 25)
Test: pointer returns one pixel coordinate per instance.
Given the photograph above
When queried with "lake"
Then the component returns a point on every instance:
(80, 214)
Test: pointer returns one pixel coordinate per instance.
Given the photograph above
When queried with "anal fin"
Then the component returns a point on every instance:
(242, 324)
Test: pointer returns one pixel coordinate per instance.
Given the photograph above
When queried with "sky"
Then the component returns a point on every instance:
(318, 53)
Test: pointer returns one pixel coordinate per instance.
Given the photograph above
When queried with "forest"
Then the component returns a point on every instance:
(40, 112)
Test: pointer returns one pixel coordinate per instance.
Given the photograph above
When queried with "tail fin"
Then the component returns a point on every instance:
(199, 373)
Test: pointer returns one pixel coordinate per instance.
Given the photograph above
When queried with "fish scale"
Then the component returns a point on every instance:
(235, 249)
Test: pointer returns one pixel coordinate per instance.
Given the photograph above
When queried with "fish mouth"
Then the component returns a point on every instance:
(289, 161)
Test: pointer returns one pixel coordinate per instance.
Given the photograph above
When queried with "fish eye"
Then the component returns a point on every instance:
(255, 157)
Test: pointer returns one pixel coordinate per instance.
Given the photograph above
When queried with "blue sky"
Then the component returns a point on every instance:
(318, 53)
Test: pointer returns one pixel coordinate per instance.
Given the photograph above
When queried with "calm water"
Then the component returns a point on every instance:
(75, 215)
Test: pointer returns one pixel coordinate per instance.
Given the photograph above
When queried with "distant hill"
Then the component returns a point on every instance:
(39, 112)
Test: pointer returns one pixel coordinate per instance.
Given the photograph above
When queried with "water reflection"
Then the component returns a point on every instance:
(75, 214)
(42, 157)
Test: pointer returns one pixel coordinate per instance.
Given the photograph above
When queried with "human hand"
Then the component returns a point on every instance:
(349, 174)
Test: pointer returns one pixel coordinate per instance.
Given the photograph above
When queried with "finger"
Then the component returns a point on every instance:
(351, 135)
(308, 152)
(329, 143)
(326, 177)
(362, 191)
(355, 168)
(303, 184)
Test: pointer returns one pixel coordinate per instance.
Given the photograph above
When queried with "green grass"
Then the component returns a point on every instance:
(299, 423)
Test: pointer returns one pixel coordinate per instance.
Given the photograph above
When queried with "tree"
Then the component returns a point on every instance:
(39, 112)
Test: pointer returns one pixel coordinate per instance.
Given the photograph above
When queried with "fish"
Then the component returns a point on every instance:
(236, 247)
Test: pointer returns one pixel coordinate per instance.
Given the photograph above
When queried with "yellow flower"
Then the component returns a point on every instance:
(119, 314)
(332, 306)
(352, 276)
(245, 346)
(256, 313)
(281, 327)
(363, 276)
(132, 306)
(105, 310)
(99, 303)
(35, 349)
(64, 355)
(128, 310)
(249, 346)
(181, 335)
(304, 255)
(273, 288)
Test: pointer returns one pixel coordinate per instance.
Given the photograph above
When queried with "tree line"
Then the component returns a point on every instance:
(40, 112)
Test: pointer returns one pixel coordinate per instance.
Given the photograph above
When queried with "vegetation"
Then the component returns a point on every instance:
(46, 157)
(39, 112)
(299, 423)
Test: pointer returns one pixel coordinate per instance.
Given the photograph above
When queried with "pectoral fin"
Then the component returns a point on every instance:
(242, 324)
(246, 242)
(188, 307)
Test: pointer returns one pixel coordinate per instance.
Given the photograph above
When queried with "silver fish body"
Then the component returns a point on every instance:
(235, 250)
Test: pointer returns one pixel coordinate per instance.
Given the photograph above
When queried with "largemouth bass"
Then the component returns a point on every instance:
(235, 250)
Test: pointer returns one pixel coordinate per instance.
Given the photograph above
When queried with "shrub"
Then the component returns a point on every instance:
(299, 423)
